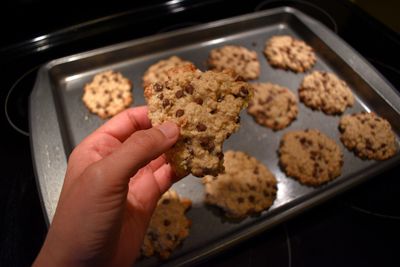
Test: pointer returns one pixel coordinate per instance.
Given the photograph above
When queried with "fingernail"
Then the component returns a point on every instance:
(169, 129)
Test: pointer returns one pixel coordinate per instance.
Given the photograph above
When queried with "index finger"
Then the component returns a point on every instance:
(126, 123)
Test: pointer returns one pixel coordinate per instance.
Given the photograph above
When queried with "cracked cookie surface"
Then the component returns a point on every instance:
(168, 226)
(272, 105)
(310, 156)
(206, 107)
(108, 94)
(237, 58)
(286, 52)
(247, 187)
(324, 91)
(368, 135)
(158, 72)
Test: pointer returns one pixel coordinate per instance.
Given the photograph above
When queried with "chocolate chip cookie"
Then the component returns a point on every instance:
(158, 72)
(206, 107)
(108, 94)
(324, 91)
(288, 53)
(168, 227)
(245, 188)
(368, 135)
(272, 105)
(237, 58)
(310, 156)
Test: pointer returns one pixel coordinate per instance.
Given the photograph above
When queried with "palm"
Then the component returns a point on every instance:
(116, 211)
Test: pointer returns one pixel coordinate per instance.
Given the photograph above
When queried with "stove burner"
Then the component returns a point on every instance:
(310, 9)
(16, 103)
(178, 26)
(288, 245)
(376, 214)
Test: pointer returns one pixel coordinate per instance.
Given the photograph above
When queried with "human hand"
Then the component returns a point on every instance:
(113, 181)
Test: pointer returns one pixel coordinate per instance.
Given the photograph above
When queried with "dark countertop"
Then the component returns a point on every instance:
(357, 228)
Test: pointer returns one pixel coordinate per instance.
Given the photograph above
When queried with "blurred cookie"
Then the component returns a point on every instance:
(158, 72)
(286, 52)
(237, 58)
(368, 135)
(272, 105)
(246, 187)
(324, 91)
(310, 156)
(108, 94)
(168, 226)
(206, 106)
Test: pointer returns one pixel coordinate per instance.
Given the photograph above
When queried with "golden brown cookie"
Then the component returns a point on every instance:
(168, 227)
(368, 135)
(158, 72)
(286, 52)
(310, 156)
(247, 186)
(272, 105)
(324, 91)
(108, 94)
(206, 106)
(237, 58)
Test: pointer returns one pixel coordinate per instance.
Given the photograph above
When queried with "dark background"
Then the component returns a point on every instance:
(358, 228)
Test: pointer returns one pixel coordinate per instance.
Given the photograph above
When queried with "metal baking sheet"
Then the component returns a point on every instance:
(59, 120)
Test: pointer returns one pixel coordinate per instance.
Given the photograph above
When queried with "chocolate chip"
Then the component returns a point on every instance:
(239, 79)
(252, 187)
(213, 111)
(189, 89)
(158, 87)
(244, 91)
(220, 155)
(237, 120)
(179, 94)
(153, 236)
(201, 127)
(252, 199)
(161, 96)
(220, 98)
(256, 171)
(165, 201)
(207, 143)
(165, 103)
(167, 222)
(179, 113)
(198, 100)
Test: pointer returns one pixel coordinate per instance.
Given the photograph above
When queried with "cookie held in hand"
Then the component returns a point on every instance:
(206, 107)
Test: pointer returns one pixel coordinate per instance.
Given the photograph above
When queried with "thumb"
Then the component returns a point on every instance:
(137, 151)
